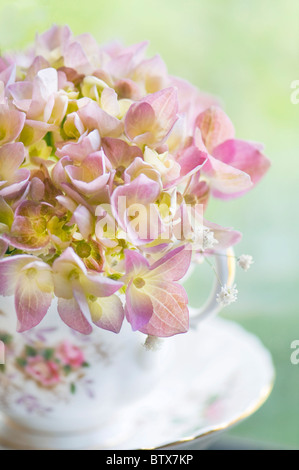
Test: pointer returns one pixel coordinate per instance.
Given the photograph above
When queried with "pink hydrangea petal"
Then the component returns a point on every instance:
(100, 286)
(244, 156)
(33, 296)
(165, 106)
(107, 313)
(135, 262)
(139, 307)
(225, 180)
(21, 93)
(124, 60)
(85, 187)
(153, 72)
(170, 312)
(93, 117)
(75, 58)
(226, 237)
(14, 190)
(191, 160)
(38, 64)
(139, 119)
(55, 37)
(191, 101)
(78, 151)
(91, 176)
(172, 266)
(11, 157)
(11, 123)
(215, 127)
(70, 313)
(67, 258)
(119, 153)
(83, 218)
(9, 270)
(8, 75)
(59, 175)
(141, 190)
(138, 167)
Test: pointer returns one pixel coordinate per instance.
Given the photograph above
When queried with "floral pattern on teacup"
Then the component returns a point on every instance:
(49, 366)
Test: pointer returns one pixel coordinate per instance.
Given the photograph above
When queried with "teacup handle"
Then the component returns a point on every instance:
(225, 266)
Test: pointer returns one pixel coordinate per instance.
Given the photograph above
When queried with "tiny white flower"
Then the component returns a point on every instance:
(227, 295)
(245, 261)
(208, 240)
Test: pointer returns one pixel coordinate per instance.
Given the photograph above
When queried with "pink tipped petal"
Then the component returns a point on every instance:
(215, 127)
(8, 75)
(21, 93)
(31, 305)
(142, 191)
(11, 123)
(226, 237)
(225, 179)
(33, 294)
(11, 157)
(107, 313)
(135, 262)
(72, 316)
(9, 271)
(124, 60)
(191, 101)
(138, 167)
(45, 84)
(75, 58)
(244, 156)
(139, 120)
(174, 265)
(100, 286)
(119, 153)
(191, 160)
(59, 175)
(93, 117)
(139, 308)
(68, 257)
(83, 218)
(170, 311)
(79, 150)
(165, 106)
(90, 177)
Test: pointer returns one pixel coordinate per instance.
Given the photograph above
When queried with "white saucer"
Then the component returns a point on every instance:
(222, 374)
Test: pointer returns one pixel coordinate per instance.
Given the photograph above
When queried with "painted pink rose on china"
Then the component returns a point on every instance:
(44, 372)
(107, 164)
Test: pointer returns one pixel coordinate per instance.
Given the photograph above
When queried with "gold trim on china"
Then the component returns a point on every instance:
(266, 392)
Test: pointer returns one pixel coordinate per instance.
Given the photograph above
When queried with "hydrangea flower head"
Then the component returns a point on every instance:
(107, 165)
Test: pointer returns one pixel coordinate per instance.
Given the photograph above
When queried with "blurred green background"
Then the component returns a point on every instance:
(247, 54)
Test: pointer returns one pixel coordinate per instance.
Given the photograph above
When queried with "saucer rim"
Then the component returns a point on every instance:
(263, 397)
(206, 432)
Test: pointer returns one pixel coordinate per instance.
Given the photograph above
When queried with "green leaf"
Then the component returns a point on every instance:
(67, 369)
(21, 361)
(30, 351)
(73, 388)
(48, 353)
